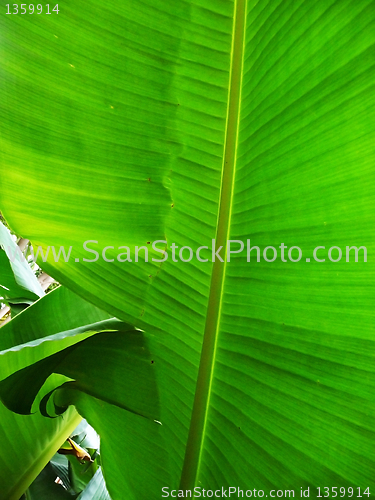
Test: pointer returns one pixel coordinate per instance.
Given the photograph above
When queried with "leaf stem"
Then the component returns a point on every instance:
(198, 421)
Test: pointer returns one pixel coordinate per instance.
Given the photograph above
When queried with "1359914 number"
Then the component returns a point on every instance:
(342, 492)
(25, 8)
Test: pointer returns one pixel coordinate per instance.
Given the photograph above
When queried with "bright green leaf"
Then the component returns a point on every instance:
(208, 119)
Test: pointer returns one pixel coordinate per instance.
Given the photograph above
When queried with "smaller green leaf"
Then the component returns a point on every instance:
(135, 464)
(27, 443)
(17, 307)
(18, 282)
(14, 385)
(57, 312)
(45, 488)
(60, 466)
(123, 376)
(86, 436)
(96, 489)
(79, 474)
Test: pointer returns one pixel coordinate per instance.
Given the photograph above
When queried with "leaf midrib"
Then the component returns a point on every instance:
(198, 420)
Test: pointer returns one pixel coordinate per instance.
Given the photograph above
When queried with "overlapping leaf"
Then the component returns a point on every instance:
(51, 324)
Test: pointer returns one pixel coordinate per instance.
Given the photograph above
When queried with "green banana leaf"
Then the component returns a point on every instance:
(28, 442)
(74, 475)
(76, 478)
(96, 489)
(107, 360)
(60, 465)
(186, 122)
(18, 283)
(123, 374)
(45, 488)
